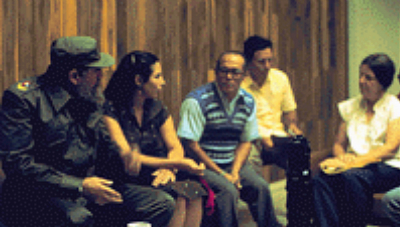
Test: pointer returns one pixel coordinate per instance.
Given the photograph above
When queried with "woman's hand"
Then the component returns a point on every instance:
(333, 162)
(333, 166)
(190, 166)
(347, 158)
(163, 177)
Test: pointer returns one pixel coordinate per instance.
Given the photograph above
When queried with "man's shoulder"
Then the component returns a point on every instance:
(279, 74)
(25, 87)
(248, 97)
(389, 101)
(349, 106)
(202, 91)
(351, 101)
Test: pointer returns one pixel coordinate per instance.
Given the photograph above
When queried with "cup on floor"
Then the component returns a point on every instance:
(139, 224)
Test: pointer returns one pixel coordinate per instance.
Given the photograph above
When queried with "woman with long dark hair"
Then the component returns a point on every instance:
(135, 117)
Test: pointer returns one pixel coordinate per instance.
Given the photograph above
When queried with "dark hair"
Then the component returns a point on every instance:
(383, 68)
(255, 43)
(235, 52)
(122, 86)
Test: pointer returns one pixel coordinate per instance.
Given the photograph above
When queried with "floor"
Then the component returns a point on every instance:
(245, 218)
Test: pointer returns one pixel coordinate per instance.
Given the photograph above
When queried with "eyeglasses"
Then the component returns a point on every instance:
(236, 73)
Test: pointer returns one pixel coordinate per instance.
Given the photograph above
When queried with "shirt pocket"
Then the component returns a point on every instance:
(54, 131)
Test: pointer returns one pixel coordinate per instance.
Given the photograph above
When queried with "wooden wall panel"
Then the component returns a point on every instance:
(10, 44)
(309, 36)
(1, 36)
(25, 41)
(41, 36)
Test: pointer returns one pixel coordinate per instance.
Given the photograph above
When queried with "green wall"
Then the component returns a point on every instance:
(373, 27)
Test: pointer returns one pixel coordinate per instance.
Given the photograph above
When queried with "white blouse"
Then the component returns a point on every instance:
(364, 136)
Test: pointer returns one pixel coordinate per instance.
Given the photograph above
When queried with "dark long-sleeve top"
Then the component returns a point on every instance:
(48, 139)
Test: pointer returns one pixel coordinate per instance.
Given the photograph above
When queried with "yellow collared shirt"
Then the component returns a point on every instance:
(273, 98)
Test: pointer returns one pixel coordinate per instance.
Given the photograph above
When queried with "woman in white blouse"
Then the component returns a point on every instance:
(391, 200)
(365, 153)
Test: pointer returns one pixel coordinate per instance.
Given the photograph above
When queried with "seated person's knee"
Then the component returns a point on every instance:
(391, 199)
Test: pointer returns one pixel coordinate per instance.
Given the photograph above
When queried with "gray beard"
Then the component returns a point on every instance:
(93, 95)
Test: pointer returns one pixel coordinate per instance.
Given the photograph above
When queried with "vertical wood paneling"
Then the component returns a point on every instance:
(85, 13)
(324, 12)
(151, 27)
(123, 33)
(128, 25)
(140, 24)
(55, 29)
(309, 37)
(248, 18)
(223, 27)
(1, 35)
(25, 44)
(69, 18)
(314, 55)
(184, 36)
(199, 42)
(41, 36)
(96, 8)
(10, 41)
(265, 18)
(233, 7)
(214, 32)
(108, 35)
(172, 57)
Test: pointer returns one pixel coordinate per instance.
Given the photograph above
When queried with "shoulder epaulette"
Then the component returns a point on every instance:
(24, 85)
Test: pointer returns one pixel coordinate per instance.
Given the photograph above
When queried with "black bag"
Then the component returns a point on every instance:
(299, 189)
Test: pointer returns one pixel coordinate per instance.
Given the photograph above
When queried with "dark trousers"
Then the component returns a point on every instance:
(23, 208)
(255, 192)
(345, 200)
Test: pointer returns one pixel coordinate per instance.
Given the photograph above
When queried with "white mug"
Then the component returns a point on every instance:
(139, 224)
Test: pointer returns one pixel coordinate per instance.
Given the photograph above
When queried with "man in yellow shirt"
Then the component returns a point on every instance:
(276, 105)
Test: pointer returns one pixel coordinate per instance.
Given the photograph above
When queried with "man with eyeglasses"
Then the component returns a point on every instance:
(276, 105)
(217, 126)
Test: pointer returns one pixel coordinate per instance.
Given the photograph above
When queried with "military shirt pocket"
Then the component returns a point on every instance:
(55, 131)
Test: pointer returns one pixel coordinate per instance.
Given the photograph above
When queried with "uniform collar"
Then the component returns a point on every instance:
(58, 96)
